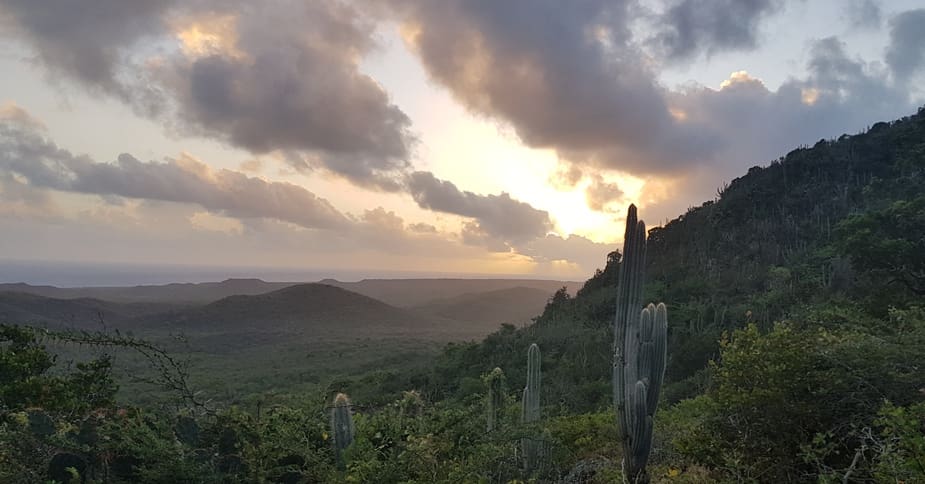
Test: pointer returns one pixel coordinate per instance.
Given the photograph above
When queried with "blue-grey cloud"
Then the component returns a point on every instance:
(906, 52)
(499, 220)
(27, 153)
(88, 40)
(865, 14)
(689, 28)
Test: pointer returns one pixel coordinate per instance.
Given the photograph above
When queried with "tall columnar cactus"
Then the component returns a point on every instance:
(639, 354)
(532, 446)
(341, 424)
(495, 404)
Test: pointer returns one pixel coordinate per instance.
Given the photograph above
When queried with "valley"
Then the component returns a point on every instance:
(244, 338)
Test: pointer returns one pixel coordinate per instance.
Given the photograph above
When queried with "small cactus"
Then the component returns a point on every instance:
(341, 424)
(495, 404)
(532, 447)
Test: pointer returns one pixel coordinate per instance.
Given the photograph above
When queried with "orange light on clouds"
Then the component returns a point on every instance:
(809, 96)
(738, 77)
(213, 35)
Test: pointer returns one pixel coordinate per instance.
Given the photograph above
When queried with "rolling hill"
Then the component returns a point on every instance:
(314, 310)
(187, 293)
(80, 313)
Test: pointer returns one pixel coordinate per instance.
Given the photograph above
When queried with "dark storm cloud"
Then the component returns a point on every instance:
(566, 77)
(497, 217)
(285, 78)
(695, 27)
(906, 52)
(26, 153)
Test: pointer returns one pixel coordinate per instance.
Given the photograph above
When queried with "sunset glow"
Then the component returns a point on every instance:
(323, 133)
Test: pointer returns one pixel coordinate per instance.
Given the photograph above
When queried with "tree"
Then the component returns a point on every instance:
(890, 241)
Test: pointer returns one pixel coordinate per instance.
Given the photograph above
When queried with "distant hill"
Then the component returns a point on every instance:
(418, 292)
(312, 310)
(177, 292)
(81, 313)
(315, 309)
(516, 305)
(397, 292)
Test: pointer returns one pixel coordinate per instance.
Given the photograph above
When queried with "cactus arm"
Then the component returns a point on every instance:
(660, 354)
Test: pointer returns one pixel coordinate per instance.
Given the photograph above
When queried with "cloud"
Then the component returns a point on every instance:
(295, 86)
(281, 75)
(19, 199)
(134, 200)
(568, 78)
(496, 216)
(580, 81)
(839, 94)
(864, 14)
(26, 153)
(906, 52)
(423, 228)
(694, 27)
(574, 248)
(600, 193)
(87, 41)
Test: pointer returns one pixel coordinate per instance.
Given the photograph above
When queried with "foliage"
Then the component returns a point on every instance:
(886, 242)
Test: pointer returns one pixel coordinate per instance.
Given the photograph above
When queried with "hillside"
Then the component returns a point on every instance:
(777, 243)
(188, 293)
(517, 306)
(313, 310)
(80, 313)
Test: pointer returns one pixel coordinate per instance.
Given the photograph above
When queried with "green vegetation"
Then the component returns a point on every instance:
(794, 354)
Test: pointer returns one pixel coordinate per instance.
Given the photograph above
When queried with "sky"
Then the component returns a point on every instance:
(414, 136)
